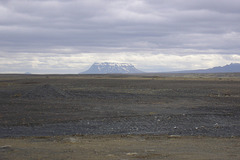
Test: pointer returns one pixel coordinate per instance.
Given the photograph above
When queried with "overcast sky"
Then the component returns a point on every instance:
(67, 36)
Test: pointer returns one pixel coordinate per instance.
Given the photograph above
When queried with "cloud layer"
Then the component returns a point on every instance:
(54, 36)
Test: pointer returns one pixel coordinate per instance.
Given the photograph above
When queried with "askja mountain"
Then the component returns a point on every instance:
(111, 68)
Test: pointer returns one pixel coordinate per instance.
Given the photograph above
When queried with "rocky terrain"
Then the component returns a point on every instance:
(39, 106)
(161, 105)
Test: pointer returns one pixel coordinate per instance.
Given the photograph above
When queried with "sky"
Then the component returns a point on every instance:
(68, 36)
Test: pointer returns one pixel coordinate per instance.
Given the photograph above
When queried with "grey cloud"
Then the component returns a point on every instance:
(106, 26)
(223, 6)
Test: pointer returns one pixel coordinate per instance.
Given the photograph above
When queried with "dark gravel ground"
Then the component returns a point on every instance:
(73, 105)
(211, 124)
(207, 125)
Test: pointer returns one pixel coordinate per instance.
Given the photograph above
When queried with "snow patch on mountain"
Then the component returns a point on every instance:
(111, 68)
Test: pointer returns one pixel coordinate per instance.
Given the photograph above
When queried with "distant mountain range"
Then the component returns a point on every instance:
(111, 68)
(125, 68)
(233, 67)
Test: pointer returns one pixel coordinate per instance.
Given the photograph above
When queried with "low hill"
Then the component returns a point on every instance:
(233, 67)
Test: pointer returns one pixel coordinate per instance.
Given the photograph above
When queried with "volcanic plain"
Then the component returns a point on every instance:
(141, 116)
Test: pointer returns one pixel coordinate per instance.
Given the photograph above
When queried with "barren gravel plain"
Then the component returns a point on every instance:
(144, 116)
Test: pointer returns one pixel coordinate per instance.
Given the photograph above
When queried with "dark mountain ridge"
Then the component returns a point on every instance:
(230, 68)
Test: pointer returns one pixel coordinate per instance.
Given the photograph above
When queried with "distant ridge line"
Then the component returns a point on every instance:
(230, 68)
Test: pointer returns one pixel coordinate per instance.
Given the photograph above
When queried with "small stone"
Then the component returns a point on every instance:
(131, 154)
(174, 136)
(216, 125)
(6, 148)
(149, 150)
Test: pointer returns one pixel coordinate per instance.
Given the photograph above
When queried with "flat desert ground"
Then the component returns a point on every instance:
(142, 116)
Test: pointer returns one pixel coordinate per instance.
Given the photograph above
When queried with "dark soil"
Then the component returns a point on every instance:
(42, 105)
(45, 91)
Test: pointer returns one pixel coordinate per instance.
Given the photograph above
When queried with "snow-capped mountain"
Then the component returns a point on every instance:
(111, 68)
